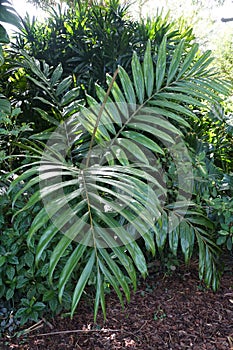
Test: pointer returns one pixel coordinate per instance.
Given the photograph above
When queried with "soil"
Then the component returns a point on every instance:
(167, 312)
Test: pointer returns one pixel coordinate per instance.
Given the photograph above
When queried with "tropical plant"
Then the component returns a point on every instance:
(89, 42)
(101, 178)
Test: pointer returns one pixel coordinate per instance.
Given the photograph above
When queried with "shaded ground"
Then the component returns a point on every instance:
(166, 313)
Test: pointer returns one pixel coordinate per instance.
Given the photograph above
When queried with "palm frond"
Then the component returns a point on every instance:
(113, 192)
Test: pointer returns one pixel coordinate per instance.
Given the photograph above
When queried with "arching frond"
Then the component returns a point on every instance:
(106, 187)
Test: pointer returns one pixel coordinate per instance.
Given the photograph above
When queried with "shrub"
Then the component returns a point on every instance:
(25, 291)
(88, 42)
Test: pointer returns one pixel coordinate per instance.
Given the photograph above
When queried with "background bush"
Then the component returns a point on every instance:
(89, 42)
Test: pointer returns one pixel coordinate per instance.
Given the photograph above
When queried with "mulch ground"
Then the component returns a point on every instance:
(166, 313)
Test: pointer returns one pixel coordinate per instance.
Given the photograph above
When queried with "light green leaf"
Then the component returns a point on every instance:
(161, 232)
(166, 113)
(188, 60)
(154, 131)
(110, 107)
(57, 73)
(118, 97)
(64, 242)
(202, 62)
(71, 264)
(99, 295)
(64, 86)
(138, 78)
(70, 96)
(45, 239)
(118, 274)
(105, 120)
(148, 70)
(184, 98)
(173, 106)
(2, 260)
(174, 240)
(201, 221)
(127, 87)
(8, 14)
(186, 239)
(83, 281)
(1, 56)
(143, 140)
(133, 148)
(161, 63)
(112, 279)
(157, 120)
(175, 62)
(120, 155)
(138, 257)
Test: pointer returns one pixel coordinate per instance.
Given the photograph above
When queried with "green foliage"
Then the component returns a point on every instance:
(59, 100)
(24, 289)
(213, 171)
(30, 310)
(216, 187)
(110, 198)
(223, 209)
(89, 42)
(217, 198)
(11, 132)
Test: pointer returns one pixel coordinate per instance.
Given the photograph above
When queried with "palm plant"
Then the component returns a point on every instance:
(101, 177)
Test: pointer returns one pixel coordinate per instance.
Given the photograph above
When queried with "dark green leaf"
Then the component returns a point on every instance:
(64, 86)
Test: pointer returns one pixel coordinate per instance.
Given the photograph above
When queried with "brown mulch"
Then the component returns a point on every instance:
(166, 313)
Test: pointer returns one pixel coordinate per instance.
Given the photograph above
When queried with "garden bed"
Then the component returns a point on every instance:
(170, 312)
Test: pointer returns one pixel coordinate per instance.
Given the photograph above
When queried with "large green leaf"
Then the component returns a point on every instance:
(8, 14)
